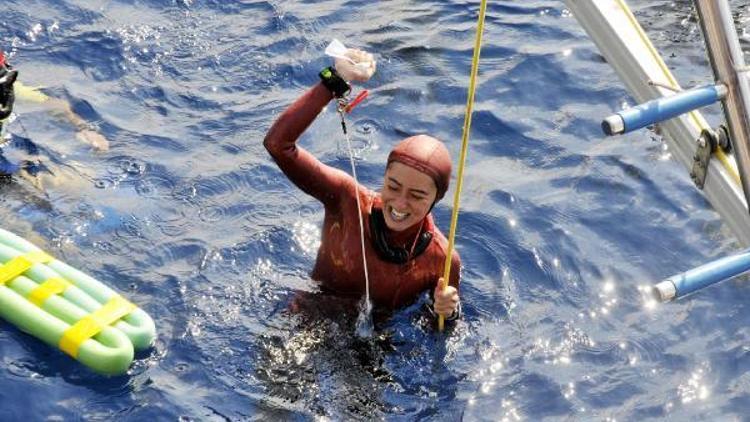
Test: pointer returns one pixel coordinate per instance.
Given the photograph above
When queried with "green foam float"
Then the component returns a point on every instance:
(68, 309)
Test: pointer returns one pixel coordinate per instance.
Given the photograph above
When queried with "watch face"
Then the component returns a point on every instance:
(326, 73)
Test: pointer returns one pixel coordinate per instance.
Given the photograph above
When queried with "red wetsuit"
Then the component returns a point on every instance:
(339, 264)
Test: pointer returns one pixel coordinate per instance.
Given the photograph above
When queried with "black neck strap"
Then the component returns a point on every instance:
(394, 254)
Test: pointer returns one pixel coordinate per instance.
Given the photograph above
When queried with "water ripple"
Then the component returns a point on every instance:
(560, 229)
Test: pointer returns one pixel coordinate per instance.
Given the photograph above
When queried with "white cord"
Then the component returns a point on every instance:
(359, 205)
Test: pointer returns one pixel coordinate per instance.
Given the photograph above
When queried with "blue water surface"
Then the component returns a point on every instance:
(559, 232)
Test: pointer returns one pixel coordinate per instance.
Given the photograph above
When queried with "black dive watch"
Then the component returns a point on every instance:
(334, 82)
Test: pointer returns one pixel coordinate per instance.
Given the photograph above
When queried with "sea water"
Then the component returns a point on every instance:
(189, 217)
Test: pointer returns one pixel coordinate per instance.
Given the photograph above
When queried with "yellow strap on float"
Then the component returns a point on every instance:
(50, 287)
(21, 264)
(92, 324)
(464, 148)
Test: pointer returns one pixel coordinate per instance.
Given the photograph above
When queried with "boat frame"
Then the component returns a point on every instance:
(628, 50)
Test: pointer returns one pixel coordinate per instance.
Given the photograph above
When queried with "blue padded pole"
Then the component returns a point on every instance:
(703, 276)
(662, 109)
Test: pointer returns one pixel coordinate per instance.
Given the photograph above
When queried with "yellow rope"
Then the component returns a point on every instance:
(464, 147)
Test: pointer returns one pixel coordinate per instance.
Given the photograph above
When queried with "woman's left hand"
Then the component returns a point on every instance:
(446, 300)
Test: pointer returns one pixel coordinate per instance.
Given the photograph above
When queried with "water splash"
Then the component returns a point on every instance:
(365, 327)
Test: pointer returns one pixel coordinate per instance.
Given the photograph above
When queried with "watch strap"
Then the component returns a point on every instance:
(334, 82)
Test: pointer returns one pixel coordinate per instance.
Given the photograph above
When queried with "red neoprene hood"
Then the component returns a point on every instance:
(427, 155)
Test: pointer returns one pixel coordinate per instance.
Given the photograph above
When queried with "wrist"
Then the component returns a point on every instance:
(334, 82)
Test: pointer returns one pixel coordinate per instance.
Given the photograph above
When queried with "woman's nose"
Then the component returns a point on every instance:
(400, 201)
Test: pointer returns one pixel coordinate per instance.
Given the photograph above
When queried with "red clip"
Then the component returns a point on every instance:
(2, 59)
(361, 97)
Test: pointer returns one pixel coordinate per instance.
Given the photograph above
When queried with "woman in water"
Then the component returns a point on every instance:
(405, 251)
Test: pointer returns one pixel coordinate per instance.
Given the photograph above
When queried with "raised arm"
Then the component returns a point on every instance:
(302, 168)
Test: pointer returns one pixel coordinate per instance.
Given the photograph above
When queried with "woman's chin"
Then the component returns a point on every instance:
(397, 226)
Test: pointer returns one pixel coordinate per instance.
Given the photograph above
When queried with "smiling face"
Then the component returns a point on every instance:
(407, 196)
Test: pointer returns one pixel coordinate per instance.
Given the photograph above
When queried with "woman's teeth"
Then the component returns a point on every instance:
(398, 216)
